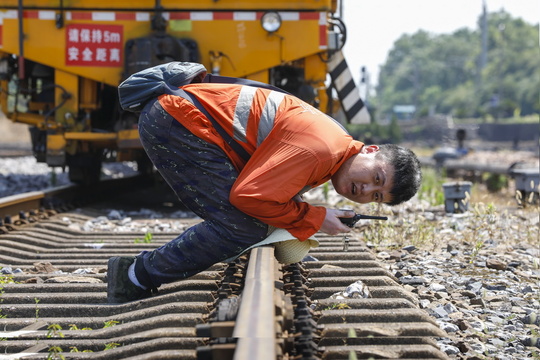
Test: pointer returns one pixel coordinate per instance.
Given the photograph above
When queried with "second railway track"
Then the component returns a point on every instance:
(55, 306)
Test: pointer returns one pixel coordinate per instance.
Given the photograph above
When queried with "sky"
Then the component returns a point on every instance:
(374, 25)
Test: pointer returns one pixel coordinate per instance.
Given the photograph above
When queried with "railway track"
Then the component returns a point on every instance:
(342, 304)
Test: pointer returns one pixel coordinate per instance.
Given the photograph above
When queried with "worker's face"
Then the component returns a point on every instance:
(364, 179)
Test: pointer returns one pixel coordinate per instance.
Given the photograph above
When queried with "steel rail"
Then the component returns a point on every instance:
(18, 207)
(255, 324)
(13, 205)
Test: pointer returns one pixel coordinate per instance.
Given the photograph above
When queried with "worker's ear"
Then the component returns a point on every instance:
(370, 149)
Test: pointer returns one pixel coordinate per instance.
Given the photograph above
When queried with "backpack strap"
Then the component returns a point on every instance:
(226, 137)
(210, 78)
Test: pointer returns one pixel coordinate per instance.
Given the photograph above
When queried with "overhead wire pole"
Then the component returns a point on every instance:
(484, 32)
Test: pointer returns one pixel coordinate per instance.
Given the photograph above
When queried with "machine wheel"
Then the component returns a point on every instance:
(84, 168)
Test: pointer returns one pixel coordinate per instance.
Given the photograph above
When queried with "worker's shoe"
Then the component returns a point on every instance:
(120, 289)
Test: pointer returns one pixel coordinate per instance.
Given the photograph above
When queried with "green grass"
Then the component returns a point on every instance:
(431, 189)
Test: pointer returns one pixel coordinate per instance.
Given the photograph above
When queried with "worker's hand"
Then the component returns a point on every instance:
(332, 225)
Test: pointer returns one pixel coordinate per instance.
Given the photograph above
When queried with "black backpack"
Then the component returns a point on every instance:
(143, 86)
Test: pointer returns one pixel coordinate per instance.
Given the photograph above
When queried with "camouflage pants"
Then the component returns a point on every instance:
(202, 176)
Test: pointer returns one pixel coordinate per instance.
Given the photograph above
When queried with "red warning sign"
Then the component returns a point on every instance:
(94, 45)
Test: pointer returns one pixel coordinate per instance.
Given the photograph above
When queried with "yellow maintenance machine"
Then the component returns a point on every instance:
(62, 60)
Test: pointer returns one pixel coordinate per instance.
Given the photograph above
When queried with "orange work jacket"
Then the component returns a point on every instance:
(293, 147)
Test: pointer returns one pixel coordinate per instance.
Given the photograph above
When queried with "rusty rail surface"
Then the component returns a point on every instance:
(253, 308)
(256, 316)
(25, 207)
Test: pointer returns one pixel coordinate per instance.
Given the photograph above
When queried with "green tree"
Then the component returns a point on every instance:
(442, 72)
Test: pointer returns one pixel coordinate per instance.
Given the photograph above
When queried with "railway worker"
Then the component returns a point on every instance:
(293, 147)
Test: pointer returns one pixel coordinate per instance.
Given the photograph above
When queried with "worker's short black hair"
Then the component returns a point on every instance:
(407, 171)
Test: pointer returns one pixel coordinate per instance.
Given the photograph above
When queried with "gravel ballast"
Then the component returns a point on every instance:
(477, 273)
